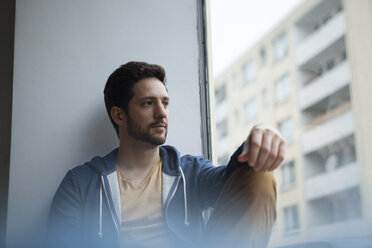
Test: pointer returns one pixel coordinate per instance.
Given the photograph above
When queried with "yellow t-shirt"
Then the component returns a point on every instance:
(142, 220)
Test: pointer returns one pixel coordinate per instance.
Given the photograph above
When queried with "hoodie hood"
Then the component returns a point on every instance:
(104, 165)
(171, 160)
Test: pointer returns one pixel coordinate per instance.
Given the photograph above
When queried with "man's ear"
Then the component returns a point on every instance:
(118, 115)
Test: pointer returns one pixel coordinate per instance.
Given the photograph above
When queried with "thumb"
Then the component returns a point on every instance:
(243, 157)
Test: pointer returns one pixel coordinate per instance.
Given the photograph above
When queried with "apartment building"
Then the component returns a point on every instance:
(298, 78)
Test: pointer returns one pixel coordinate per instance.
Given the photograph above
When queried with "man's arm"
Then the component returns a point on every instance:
(263, 150)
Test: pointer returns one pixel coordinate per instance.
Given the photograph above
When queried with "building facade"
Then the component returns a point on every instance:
(299, 79)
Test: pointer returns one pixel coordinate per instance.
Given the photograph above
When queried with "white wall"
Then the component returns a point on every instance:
(64, 52)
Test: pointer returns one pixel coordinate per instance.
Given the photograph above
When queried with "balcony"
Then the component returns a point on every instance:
(321, 40)
(328, 131)
(323, 86)
(345, 229)
(331, 182)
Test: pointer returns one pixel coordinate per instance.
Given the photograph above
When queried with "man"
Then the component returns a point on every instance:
(145, 195)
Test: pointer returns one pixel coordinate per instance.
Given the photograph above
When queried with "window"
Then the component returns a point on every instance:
(330, 64)
(280, 47)
(263, 56)
(223, 159)
(283, 89)
(251, 110)
(291, 221)
(288, 175)
(222, 129)
(286, 129)
(305, 90)
(249, 71)
(220, 94)
(265, 97)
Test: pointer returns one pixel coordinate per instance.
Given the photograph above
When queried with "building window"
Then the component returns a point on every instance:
(222, 129)
(220, 94)
(291, 220)
(249, 71)
(330, 64)
(286, 129)
(280, 47)
(263, 56)
(251, 110)
(288, 175)
(265, 97)
(283, 89)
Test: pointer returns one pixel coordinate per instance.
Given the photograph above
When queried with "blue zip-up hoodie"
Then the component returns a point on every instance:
(85, 211)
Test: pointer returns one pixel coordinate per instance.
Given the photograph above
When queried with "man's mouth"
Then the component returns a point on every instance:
(159, 125)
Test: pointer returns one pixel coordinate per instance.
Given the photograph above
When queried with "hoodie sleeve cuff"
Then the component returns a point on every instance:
(234, 163)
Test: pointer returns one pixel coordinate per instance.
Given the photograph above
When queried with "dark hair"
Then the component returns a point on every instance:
(119, 86)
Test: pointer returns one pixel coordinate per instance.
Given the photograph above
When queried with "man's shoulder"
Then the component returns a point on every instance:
(82, 169)
(98, 165)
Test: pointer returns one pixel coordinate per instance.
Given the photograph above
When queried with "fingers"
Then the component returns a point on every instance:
(253, 144)
(280, 157)
(266, 154)
(264, 149)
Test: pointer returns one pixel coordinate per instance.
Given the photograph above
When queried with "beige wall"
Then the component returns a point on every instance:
(359, 39)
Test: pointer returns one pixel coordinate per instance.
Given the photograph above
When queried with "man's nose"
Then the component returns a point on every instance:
(161, 111)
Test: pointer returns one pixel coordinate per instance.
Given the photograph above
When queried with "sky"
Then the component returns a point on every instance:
(236, 25)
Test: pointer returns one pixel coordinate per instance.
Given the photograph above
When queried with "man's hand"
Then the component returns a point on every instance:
(264, 149)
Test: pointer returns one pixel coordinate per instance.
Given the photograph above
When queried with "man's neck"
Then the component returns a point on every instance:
(135, 159)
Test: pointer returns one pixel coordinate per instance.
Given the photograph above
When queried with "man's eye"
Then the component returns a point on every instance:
(165, 104)
(148, 103)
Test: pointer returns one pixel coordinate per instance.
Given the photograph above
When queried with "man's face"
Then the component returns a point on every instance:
(148, 112)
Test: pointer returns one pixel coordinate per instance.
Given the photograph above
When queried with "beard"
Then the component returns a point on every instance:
(139, 132)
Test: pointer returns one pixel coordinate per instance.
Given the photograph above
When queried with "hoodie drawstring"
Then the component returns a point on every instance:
(186, 222)
(184, 198)
(100, 233)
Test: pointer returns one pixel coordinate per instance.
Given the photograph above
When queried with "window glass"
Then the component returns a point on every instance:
(263, 56)
(222, 129)
(223, 159)
(291, 220)
(283, 89)
(280, 47)
(249, 71)
(251, 110)
(265, 97)
(288, 175)
(286, 129)
(220, 94)
(311, 81)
